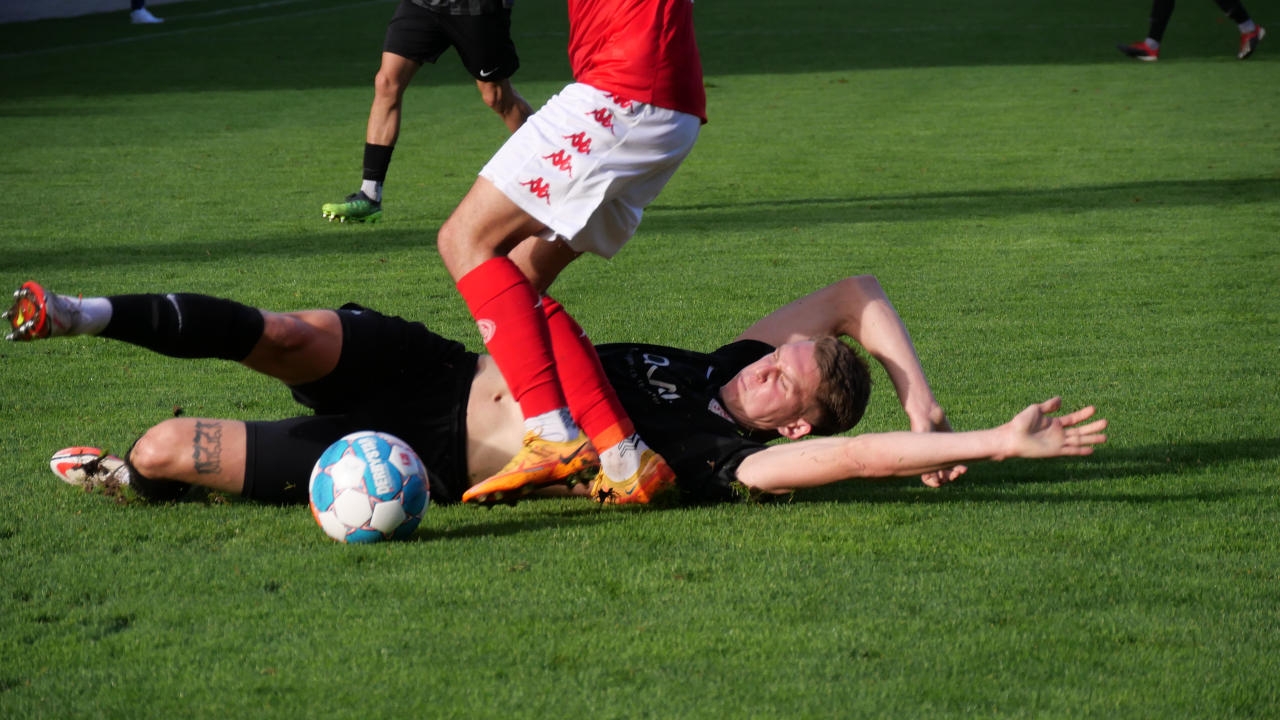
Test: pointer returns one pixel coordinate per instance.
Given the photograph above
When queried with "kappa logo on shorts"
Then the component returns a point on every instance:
(624, 103)
(539, 188)
(581, 142)
(603, 116)
(561, 160)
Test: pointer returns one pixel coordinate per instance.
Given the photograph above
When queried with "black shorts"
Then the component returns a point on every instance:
(483, 41)
(393, 376)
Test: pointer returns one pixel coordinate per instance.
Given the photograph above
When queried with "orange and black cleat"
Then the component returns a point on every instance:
(540, 463)
(653, 482)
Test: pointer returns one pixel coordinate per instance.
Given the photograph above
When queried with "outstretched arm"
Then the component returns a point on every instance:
(857, 308)
(1032, 433)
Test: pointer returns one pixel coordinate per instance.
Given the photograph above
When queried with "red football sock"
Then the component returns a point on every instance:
(592, 400)
(515, 333)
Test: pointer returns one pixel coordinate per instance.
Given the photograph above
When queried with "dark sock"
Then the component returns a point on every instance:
(185, 325)
(1161, 10)
(377, 158)
(1234, 10)
(155, 490)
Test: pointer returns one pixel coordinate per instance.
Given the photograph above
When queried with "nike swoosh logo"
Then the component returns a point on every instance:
(565, 464)
(566, 459)
(487, 73)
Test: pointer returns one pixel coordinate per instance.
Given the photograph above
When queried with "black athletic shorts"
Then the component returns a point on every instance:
(483, 41)
(393, 376)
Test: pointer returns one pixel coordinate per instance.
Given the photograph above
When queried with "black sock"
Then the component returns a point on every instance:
(377, 158)
(155, 490)
(185, 325)
(1161, 10)
(1234, 10)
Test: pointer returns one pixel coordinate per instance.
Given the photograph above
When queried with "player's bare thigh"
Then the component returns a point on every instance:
(199, 451)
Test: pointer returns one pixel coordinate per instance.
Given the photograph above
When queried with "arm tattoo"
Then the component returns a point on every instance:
(207, 447)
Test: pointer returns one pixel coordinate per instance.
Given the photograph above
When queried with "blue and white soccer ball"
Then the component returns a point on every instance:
(369, 486)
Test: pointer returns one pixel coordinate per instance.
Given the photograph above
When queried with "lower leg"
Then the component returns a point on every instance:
(630, 471)
(183, 325)
(293, 347)
(591, 398)
(515, 332)
(209, 453)
(377, 160)
(1234, 9)
(503, 99)
(383, 129)
(514, 329)
(1161, 11)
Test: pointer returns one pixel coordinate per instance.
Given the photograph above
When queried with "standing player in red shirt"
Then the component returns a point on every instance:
(576, 178)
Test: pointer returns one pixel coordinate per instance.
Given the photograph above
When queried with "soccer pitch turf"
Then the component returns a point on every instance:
(1048, 217)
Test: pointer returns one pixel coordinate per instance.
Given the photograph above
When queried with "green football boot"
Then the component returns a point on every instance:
(358, 207)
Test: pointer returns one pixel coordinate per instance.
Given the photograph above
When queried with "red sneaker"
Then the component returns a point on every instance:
(1249, 42)
(37, 313)
(88, 467)
(1140, 51)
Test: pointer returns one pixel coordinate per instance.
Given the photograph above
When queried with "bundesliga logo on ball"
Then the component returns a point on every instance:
(369, 486)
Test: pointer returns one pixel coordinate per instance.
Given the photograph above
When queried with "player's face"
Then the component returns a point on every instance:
(775, 390)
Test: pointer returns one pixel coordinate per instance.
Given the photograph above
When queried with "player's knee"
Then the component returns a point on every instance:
(494, 97)
(289, 332)
(157, 453)
(387, 86)
(451, 243)
(152, 460)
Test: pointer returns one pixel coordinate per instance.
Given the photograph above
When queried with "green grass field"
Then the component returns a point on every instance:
(1049, 218)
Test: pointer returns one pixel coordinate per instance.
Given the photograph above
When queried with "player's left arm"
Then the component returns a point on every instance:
(937, 457)
(858, 308)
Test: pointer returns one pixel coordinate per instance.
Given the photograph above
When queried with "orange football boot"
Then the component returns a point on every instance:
(653, 481)
(540, 463)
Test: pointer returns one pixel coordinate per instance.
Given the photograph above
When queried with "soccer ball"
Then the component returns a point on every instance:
(369, 486)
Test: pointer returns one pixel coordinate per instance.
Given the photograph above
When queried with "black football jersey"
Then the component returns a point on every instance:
(673, 397)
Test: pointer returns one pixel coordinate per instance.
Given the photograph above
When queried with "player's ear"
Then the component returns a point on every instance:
(795, 429)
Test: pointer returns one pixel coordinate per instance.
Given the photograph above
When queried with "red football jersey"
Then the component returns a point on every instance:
(641, 50)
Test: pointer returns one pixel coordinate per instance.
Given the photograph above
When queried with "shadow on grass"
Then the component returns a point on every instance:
(983, 482)
(968, 205)
(490, 525)
(661, 218)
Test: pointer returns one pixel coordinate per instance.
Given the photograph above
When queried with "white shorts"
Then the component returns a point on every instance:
(586, 165)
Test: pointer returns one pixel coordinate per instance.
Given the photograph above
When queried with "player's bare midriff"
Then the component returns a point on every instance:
(495, 427)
